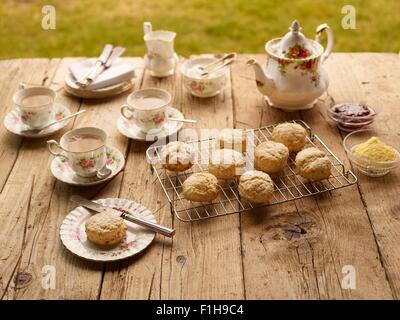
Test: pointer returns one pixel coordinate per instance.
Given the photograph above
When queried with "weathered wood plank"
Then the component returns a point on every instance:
(283, 274)
(205, 260)
(306, 264)
(12, 73)
(375, 78)
(76, 278)
(139, 277)
(19, 173)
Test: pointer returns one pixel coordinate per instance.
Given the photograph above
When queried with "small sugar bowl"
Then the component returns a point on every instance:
(203, 86)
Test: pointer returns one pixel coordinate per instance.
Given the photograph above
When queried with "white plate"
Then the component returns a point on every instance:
(62, 171)
(73, 235)
(14, 124)
(131, 130)
(72, 88)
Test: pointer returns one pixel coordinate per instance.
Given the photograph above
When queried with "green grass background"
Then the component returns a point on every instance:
(84, 26)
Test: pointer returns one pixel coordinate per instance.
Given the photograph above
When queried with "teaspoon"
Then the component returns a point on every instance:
(38, 130)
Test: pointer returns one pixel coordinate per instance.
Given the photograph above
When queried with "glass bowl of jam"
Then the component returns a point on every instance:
(351, 116)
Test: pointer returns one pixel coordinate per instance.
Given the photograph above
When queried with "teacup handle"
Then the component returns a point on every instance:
(126, 112)
(329, 47)
(50, 144)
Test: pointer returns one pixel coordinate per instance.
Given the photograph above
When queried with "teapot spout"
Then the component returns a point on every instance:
(264, 84)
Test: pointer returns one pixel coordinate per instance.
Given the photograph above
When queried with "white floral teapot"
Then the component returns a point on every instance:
(294, 75)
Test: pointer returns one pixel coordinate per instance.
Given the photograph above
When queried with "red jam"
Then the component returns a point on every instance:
(351, 116)
(352, 110)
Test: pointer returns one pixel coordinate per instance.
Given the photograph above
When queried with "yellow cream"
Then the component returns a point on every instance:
(374, 149)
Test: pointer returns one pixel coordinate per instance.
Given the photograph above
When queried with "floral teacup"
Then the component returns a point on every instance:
(86, 163)
(147, 108)
(38, 115)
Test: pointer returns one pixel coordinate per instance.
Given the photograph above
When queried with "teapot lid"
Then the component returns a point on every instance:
(294, 44)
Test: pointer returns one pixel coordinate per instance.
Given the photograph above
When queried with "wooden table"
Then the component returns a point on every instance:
(295, 250)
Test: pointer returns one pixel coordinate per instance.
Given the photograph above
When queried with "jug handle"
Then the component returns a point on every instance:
(147, 28)
(329, 47)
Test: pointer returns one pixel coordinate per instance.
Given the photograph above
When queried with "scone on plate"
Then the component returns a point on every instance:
(256, 186)
(200, 187)
(177, 156)
(292, 135)
(270, 156)
(226, 164)
(105, 228)
(313, 164)
(232, 139)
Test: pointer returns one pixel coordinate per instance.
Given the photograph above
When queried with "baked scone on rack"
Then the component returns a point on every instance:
(177, 156)
(292, 135)
(105, 228)
(270, 156)
(200, 187)
(313, 164)
(226, 164)
(256, 186)
(234, 139)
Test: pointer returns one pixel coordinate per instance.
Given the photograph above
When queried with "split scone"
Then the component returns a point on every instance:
(232, 139)
(200, 187)
(270, 156)
(105, 228)
(177, 156)
(313, 164)
(256, 186)
(226, 164)
(292, 135)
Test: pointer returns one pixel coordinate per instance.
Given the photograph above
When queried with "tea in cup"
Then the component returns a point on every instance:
(35, 105)
(84, 149)
(147, 108)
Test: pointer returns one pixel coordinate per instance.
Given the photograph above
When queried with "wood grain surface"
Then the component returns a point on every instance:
(295, 250)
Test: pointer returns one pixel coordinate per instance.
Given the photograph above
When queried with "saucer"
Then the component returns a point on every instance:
(73, 235)
(62, 171)
(72, 88)
(131, 130)
(14, 124)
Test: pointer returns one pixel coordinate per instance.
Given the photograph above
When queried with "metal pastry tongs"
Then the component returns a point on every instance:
(104, 61)
(218, 64)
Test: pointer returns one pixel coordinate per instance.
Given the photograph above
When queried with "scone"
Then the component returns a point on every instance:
(200, 187)
(256, 186)
(105, 228)
(226, 164)
(232, 139)
(292, 135)
(313, 164)
(177, 156)
(270, 156)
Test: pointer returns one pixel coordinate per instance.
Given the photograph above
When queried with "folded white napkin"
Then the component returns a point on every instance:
(118, 72)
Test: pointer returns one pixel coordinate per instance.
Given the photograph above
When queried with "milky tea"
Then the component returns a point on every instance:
(83, 142)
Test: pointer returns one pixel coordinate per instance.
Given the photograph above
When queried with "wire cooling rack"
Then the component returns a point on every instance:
(289, 185)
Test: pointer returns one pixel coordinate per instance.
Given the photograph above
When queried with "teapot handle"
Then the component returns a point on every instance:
(329, 47)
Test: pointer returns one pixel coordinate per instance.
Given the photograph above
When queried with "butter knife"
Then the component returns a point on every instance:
(101, 60)
(96, 72)
(123, 214)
